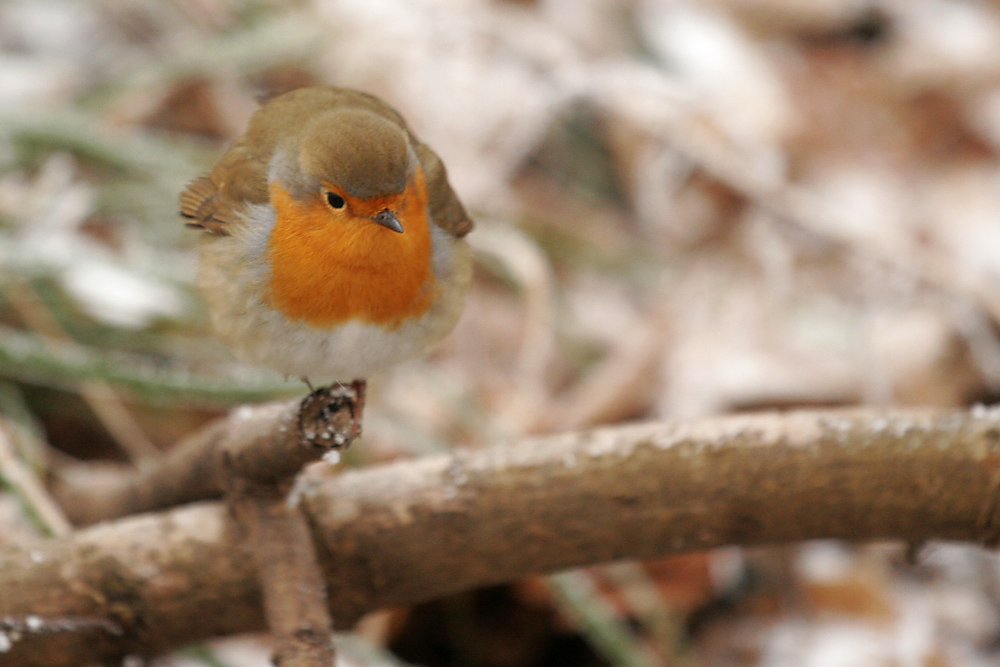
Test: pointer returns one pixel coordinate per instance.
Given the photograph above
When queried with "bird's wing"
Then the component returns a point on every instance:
(199, 207)
(215, 202)
(445, 208)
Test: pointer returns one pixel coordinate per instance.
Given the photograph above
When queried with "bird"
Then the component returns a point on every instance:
(333, 245)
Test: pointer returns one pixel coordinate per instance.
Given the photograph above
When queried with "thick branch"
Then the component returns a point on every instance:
(416, 530)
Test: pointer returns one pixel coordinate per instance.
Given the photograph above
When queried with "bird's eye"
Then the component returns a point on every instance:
(335, 200)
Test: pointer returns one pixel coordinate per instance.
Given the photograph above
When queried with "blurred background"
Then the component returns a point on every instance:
(684, 208)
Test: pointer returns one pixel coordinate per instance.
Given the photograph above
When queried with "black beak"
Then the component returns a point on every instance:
(387, 219)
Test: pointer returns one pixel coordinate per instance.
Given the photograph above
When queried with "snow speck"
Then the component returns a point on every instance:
(243, 412)
(980, 411)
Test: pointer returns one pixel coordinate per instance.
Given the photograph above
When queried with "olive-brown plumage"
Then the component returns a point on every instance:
(240, 177)
(333, 241)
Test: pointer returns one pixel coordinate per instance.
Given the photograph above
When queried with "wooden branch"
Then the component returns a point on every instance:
(252, 456)
(292, 584)
(416, 530)
(264, 444)
(258, 475)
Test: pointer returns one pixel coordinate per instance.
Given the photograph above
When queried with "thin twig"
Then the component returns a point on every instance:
(650, 607)
(27, 356)
(600, 622)
(29, 489)
(97, 393)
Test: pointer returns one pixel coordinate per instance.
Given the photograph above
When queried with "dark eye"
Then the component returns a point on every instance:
(335, 200)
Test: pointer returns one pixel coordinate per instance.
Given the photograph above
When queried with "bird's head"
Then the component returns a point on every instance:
(350, 206)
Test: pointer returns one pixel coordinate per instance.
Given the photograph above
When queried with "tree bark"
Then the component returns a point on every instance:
(292, 585)
(259, 474)
(416, 530)
(265, 444)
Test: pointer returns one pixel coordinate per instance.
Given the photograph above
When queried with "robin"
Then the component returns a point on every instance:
(332, 243)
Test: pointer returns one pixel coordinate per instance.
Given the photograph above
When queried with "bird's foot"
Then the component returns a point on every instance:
(324, 404)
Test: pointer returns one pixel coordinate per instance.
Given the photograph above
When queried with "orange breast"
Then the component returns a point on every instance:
(327, 271)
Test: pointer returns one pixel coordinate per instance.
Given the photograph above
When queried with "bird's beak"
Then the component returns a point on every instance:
(387, 219)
